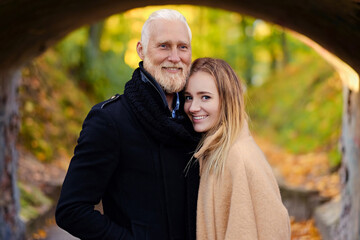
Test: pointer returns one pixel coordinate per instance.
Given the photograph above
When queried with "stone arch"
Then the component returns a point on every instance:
(28, 28)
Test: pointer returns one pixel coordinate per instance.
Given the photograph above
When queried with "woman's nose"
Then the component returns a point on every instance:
(194, 107)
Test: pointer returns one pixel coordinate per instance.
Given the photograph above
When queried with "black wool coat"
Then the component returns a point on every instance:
(138, 175)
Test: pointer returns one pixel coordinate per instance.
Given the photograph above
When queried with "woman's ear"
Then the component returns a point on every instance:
(140, 50)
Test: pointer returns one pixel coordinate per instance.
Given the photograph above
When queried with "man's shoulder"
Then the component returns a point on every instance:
(110, 103)
(113, 110)
(115, 107)
(114, 99)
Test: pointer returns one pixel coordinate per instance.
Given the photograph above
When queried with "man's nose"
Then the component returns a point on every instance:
(174, 56)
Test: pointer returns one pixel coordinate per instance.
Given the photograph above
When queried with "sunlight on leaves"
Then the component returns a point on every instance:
(261, 30)
(131, 57)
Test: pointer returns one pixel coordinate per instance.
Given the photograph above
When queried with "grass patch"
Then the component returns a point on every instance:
(32, 201)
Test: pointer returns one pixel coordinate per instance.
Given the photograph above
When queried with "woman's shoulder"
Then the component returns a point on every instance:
(247, 160)
(245, 153)
(245, 148)
(245, 145)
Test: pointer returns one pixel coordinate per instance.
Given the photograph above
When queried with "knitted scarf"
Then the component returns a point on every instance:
(156, 119)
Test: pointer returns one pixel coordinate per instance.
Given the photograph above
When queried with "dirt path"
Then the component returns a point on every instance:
(56, 233)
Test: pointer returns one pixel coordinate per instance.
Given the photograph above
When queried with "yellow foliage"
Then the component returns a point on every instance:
(261, 30)
(112, 24)
(131, 57)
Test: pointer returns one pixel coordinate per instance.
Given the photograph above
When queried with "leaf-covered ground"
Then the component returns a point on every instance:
(311, 171)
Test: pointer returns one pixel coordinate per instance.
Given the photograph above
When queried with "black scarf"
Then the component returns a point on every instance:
(149, 109)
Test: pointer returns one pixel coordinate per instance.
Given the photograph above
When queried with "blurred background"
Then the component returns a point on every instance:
(294, 99)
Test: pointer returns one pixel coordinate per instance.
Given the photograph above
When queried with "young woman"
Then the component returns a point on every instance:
(238, 195)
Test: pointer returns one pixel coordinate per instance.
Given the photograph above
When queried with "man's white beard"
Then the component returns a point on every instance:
(170, 82)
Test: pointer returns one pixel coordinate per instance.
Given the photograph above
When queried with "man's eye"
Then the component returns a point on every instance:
(183, 47)
(163, 45)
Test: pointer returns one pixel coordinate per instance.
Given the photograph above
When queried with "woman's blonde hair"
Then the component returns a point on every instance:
(215, 144)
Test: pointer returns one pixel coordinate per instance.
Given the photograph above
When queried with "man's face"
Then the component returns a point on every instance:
(168, 55)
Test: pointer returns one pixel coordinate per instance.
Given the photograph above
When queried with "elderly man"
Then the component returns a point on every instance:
(133, 149)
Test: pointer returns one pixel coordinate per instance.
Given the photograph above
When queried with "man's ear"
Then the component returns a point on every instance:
(140, 50)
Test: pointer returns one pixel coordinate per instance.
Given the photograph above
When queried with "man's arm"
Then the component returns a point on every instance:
(94, 161)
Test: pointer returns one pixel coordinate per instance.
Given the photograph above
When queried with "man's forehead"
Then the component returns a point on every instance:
(165, 21)
(160, 27)
(178, 41)
(160, 24)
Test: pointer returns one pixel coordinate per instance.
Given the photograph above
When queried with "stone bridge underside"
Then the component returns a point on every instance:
(29, 27)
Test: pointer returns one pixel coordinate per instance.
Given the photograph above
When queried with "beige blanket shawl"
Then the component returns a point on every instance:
(245, 203)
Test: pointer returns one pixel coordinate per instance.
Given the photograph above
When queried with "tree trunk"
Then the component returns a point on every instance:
(95, 33)
(348, 228)
(11, 227)
(285, 49)
(247, 30)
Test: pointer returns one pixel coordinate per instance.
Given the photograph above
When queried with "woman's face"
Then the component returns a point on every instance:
(202, 101)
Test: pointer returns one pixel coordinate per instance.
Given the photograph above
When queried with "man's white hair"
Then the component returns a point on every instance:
(166, 14)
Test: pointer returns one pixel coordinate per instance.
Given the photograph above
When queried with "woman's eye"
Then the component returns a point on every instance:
(206, 97)
(187, 98)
